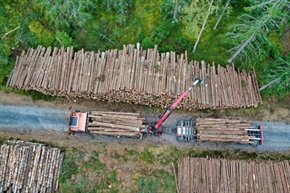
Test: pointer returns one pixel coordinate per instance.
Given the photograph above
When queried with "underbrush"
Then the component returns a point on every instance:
(152, 168)
(83, 172)
(35, 95)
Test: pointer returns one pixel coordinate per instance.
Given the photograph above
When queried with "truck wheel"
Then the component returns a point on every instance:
(255, 143)
(141, 136)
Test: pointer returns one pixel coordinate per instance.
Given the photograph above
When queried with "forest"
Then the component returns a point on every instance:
(248, 33)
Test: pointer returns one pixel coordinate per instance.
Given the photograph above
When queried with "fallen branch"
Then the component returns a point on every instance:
(7, 33)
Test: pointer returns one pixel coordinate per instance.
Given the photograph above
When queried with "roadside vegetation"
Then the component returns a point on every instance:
(132, 169)
(107, 167)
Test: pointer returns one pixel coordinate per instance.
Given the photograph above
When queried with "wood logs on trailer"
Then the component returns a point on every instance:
(115, 123)
(135, 76)
(224, 175)
(29, 167)
(223, 130)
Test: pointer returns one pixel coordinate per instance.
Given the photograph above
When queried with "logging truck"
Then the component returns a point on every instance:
(120, 124)
(132, 125)
(106, 123)
(220, 130)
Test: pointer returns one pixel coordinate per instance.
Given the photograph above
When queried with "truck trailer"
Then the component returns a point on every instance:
(220, 130)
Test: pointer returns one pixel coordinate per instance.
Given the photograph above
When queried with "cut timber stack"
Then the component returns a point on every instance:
(115, 123)
(29, 167)
(134, 76)
(228, 176)
(223, 130)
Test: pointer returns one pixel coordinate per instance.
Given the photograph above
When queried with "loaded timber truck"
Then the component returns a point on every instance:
(132, 125)
(220, 130)
(106, 123)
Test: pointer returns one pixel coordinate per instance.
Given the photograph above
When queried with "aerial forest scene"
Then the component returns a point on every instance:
(83, 83)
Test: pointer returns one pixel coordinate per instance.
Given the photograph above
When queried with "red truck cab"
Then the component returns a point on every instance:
(78, 122)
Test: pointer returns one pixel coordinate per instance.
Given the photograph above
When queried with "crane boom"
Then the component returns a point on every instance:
(154, 129)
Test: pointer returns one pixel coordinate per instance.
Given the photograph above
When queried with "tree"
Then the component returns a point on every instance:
(203, 26)
(261, 18)
(173, 9)
(277, 77)
(43, 35)
(120, 6)
(67, 14)
(223, 13)
(195, 17)
(64, 39)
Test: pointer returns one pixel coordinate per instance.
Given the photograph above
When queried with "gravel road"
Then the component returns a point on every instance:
(28, 118)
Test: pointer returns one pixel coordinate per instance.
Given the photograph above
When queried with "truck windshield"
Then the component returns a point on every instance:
(73, 121)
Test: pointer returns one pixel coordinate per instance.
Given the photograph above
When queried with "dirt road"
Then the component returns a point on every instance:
(35, 119)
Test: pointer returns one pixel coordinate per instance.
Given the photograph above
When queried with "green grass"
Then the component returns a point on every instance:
(35, 95)
(84, 172)
(158, 181)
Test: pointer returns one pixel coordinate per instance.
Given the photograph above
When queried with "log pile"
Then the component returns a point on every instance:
(223, 175)
(29, 167)
(115, 123)
(135, 76)
(223, 130)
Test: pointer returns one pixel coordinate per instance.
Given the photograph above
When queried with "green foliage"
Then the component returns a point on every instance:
(159, 181)
(120, 6)
(145, 156)
(35, 95)
(3, 140)
(64, 39)
(194, 15)
(44, 36)
(250, 35)
(67, 14)
(81, 172)
(279, 69)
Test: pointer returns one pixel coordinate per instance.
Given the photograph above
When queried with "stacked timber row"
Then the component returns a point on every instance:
(115, 124)
(224, 130)
(29, 167)
(133, 75)
(223, 175)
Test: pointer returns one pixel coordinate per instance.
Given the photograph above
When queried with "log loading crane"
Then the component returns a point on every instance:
(154, 128)
(190, 130)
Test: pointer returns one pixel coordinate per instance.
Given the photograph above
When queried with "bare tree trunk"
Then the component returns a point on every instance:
(217, 23)
(203, 26)
(240, 49)
(175, 11)
(5, 34)
(270, 83)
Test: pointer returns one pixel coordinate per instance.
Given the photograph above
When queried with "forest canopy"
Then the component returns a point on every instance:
(249, 33)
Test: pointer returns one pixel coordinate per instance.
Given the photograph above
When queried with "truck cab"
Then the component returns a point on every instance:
(78, 122)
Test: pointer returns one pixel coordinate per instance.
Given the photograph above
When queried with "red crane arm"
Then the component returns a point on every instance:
(174, 105)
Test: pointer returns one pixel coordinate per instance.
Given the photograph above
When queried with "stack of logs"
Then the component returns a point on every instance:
(29, 167)
(223, 175)
(135, 76)
(115, 123)
(223, 130)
